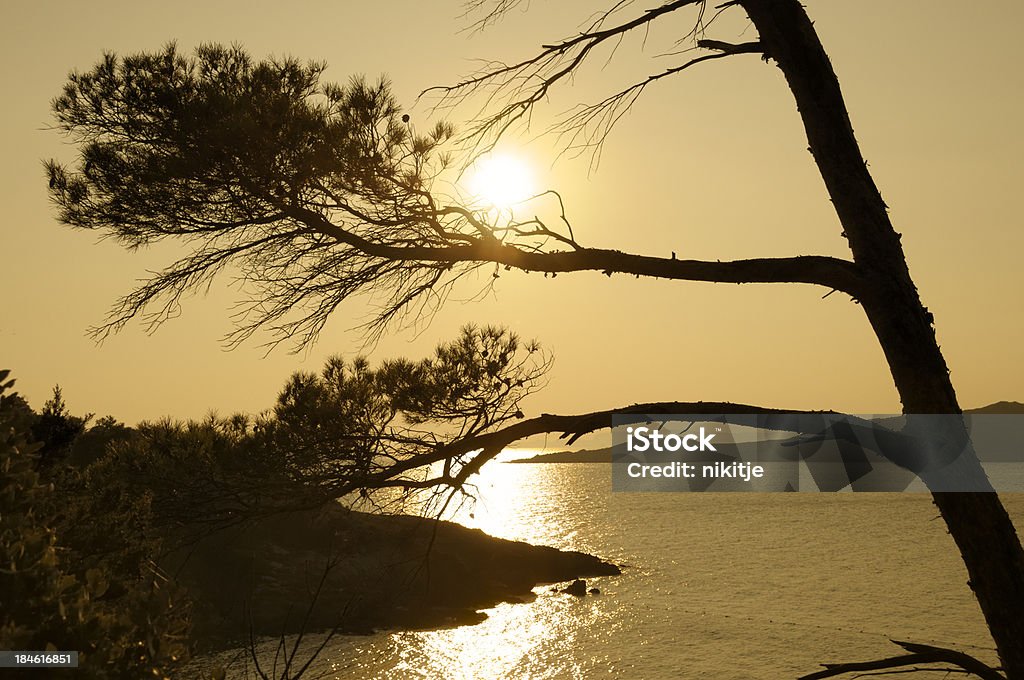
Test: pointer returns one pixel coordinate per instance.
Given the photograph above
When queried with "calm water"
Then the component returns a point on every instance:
(716, 585)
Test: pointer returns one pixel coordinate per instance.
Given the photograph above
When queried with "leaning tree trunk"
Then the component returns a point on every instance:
(977, 521)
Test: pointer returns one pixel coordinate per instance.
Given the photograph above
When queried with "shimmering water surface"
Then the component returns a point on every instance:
(715, 585)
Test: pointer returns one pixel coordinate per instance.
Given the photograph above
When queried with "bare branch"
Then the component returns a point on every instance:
(531, 79)
(490, 16)
(919, 654)
(477, 450)
(815, 269)
(754, 47)
(594, 122)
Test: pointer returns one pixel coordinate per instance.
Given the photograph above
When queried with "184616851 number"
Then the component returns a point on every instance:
(48, 659)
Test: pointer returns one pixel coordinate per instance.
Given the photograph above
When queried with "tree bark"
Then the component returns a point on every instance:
(977, 521)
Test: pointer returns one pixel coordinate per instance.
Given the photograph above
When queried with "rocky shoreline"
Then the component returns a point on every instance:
(373, 571)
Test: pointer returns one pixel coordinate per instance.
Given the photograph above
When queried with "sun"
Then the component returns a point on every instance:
(501, 181)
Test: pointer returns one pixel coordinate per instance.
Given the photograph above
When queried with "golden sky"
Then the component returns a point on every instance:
(711, 164)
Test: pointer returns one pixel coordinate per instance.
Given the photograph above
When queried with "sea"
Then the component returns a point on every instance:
(713, 585)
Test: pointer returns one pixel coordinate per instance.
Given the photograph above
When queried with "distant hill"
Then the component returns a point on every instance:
(605, 455)
(585, 456)
(1000, 407)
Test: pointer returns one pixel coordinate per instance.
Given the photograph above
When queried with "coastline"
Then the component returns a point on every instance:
(382, 572)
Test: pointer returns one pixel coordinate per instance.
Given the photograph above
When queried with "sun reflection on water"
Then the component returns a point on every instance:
(516, 640)
(512, 501)
(496, 491)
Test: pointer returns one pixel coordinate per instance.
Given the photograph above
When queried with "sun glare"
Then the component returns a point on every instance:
(501, 181)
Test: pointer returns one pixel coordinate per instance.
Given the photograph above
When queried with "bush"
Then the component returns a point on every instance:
(111, 606)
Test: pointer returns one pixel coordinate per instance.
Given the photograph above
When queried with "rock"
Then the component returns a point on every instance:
(577, 588)
(594, 591)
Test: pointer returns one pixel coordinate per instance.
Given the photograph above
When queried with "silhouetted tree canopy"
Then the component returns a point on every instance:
(314, 191)
(352, 431)
(254, 163)
(353, 427)
(56, 429)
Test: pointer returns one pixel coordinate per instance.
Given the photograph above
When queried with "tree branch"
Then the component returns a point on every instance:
(814, 269)
(484, 447)
(530, 80)
(754, 47)
(594, 122)
(918, 654)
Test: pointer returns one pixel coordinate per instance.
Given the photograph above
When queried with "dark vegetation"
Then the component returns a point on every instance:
(76, 556)
(140, 545)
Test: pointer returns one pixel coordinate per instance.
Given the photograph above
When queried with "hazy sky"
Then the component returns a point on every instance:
(711, 164)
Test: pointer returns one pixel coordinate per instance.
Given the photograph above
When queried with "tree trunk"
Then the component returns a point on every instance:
(977, 521)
